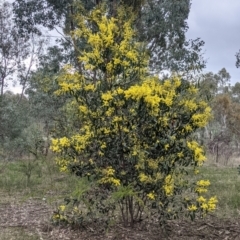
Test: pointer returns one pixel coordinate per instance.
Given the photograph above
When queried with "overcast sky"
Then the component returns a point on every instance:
(217, 22)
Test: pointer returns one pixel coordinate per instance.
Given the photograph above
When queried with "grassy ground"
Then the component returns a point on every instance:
(22, 197)
(27, 203)
(225, 184)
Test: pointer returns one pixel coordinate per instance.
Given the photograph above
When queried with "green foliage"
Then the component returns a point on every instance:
(88, 204)
(212, 84)
(238, 59)
(222, 134)
(162, 25)
(13, 121)
(14, 49)
(19, 136)
(134, 142)
(31, 145)
(14, 177)
(14, 108)
(31, 141)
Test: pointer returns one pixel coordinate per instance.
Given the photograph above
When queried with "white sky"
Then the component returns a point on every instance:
(217, 22)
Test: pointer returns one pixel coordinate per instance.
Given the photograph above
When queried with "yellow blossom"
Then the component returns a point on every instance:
(168, 185)
(201, 199)
(89, 87)
(107, 96)
(151, 195)
(166, 147)
(212, 203)
(196, 171)
(143, 177)
(192, 208)
(153, 164)
(202, 186)
(180, 155)
(203, 183)
(198, 152)
(62, 208)
(108, 177)
(204, 206)
(83, 109)
(103, 146)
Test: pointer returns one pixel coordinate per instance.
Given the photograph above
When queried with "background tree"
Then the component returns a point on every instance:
(18, 57)
(238, 59)
(161, 25)
(14, 119)
(13, 48)
(219, 135)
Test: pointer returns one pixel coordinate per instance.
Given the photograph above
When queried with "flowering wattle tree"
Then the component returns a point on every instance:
(135, 141)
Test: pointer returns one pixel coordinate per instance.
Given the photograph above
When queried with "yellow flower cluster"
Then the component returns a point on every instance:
(114, 36)
(207, 205)
(188, 128)
(190, 105)
(180, 155)
(202, 186)
(212, 204)
(138, 92)
(69, 80)
(152, 164)
(151, 195)
(153, 93)
(144, 178)
(62, 208)
(107, 96)
(63, 164)
(83, 109)
(58, 144)
(60, 215)
(166, 146)
(111, 48)
(168, 185)
(78, 141)
(199, 156)
(192, 208)
(89, 87)
(108, 177)
(201, 119)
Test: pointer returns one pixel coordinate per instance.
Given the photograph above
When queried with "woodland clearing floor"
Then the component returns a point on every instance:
(30, 220)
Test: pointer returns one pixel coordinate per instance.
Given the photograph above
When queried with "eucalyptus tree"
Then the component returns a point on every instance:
(161, 24)
(13, 48)
(18, 57)
(238, 59)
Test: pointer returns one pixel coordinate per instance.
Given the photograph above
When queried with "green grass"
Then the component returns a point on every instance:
(48, 187)
(225, 184)
(50, 184)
